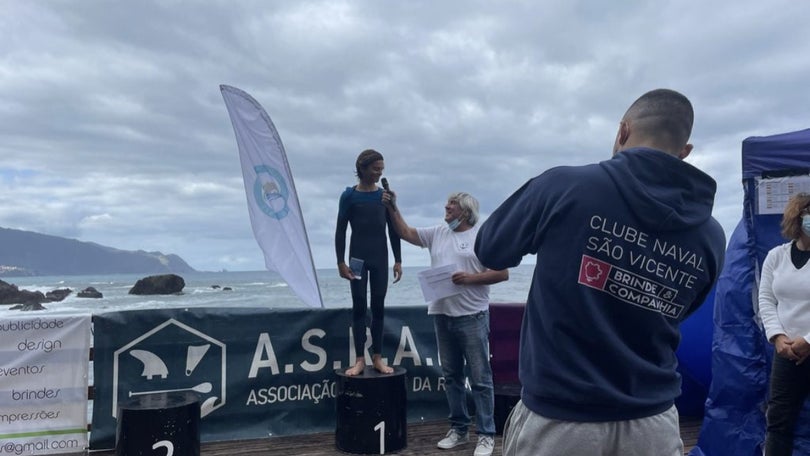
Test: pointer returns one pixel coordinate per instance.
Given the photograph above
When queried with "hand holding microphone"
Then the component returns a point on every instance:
(392, 198)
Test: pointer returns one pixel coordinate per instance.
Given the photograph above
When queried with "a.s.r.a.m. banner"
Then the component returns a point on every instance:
(258, 372)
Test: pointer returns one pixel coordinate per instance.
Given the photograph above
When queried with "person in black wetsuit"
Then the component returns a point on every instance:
(361, 206)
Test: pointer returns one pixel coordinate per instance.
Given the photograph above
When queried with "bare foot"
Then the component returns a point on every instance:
(380, 365)
(357, 369)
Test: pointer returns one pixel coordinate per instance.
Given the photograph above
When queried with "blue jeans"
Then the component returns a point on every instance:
(790, 386)
(459, 339)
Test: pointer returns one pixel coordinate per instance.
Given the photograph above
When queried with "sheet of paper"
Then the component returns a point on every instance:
(437, 282)
(773, 194)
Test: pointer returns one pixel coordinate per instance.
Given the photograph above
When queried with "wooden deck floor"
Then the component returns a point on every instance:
(422, 438)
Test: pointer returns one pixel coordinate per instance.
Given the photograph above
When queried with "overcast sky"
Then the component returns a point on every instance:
(113, 129)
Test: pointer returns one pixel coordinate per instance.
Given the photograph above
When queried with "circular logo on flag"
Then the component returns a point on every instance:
(270, 191)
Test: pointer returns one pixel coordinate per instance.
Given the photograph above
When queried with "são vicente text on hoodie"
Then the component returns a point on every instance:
(626, 250)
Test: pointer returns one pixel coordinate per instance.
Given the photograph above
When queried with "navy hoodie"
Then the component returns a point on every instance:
(626, 250)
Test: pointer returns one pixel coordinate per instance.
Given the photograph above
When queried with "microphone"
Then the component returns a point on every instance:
(384, 183)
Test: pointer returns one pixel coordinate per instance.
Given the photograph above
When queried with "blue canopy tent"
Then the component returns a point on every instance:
(694, 360)
(734, 418)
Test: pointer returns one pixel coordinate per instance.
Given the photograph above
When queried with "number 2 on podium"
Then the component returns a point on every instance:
(381, 427)
(165, 444)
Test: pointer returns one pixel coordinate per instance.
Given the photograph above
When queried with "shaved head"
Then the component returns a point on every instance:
(663, 118)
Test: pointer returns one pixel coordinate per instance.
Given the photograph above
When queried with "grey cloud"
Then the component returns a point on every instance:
(112, 128)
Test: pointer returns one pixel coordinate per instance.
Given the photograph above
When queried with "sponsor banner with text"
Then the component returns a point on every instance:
(43, 373)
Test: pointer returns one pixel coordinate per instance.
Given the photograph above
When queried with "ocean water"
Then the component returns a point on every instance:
(248, 289)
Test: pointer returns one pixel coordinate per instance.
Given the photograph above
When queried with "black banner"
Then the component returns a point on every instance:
(258, 372)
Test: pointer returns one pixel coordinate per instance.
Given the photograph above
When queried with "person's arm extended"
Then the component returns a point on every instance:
(408, 233)
(396, 245)
(488, 277)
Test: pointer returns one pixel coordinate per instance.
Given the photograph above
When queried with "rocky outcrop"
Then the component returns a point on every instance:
(10, 294)
(58, 294)
(159, 284)
(27, 307)
(89, 292)
(27, 299)
(32, 300)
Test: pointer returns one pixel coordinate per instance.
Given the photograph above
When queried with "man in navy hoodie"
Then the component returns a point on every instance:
(626, 250)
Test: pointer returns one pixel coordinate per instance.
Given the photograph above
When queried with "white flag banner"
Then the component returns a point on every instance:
(275, 214)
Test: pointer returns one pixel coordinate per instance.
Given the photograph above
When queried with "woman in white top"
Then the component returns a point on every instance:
(784, 307)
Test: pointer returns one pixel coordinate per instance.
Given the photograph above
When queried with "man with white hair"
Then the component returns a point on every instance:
(461, 321)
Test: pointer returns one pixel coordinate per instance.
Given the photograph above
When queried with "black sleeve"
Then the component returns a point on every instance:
(396, 244)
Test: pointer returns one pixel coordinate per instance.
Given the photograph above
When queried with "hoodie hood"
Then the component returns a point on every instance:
(665, 192)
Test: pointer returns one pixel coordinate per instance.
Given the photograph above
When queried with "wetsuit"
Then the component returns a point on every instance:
(368, 218)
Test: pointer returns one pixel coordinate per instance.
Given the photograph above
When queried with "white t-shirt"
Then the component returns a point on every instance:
(784, 295)
(452, 247)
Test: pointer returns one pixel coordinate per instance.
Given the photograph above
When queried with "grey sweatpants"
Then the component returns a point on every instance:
(529, 434)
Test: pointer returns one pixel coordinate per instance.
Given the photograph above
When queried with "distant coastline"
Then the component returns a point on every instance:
(30, 254)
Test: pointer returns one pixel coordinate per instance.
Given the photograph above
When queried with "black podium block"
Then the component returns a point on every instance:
(159, 424)
(371, 412)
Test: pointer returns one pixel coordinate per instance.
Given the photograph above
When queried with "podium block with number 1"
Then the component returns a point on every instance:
(371, 412)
